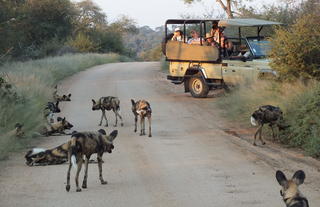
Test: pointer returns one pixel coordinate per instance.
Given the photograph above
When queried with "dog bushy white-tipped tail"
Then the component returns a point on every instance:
(253, 121)
(74, 161)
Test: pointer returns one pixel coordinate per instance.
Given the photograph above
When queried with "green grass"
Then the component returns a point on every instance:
(300, 103)
(34, 81)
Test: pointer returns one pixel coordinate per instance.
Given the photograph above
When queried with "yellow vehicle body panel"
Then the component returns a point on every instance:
(210, 70)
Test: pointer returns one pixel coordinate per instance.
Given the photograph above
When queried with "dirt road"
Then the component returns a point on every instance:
(189, 161)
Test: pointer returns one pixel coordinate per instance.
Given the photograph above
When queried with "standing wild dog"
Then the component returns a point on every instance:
(290, 191)
(141, 108)
(267, 115)
(57, 97)
(56, 127)
(49, 111)
(106, 104)
(86, 144)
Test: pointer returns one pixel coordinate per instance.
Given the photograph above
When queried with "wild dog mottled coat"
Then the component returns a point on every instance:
(290, 193)
(56, 127)
(49, 111)
(267, 114)
(85, 144)
(141, 108)
(106, 104)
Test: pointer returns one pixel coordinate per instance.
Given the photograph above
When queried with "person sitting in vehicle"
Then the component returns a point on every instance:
(178, 35)
(209, 40)
(195, 39)
(244, 52)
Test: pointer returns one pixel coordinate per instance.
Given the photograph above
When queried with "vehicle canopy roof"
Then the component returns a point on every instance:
(248, 22)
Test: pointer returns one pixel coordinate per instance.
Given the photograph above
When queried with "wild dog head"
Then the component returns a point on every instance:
(53, 107)
(141, 107)
(64, 123)
(290, 189)
(66, 97)
(96, 105)
(18, 130)
(109, 139)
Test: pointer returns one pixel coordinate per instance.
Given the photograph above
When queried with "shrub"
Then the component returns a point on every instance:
(295, 52)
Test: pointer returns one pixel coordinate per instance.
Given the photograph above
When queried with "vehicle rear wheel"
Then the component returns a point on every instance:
(198, 88)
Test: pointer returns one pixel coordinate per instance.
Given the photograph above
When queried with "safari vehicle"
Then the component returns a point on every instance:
(202, 68)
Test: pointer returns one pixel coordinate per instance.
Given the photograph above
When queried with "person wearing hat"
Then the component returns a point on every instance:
(209, 40)
(178, 35)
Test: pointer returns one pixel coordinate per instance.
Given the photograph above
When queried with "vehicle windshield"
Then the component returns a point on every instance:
(260, 48)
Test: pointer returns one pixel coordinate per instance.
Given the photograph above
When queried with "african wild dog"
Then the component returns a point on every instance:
(290, 192)
(56, 127)
(267, 115)
(56, 97)
(41, 156)
(106, 104)
(17, 132)
(86, 144)
(49, 111)
(141, 108)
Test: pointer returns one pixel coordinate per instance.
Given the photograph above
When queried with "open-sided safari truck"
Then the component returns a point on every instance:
(202, 68)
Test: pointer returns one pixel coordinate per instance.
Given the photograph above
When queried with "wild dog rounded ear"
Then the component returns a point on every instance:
(102, 131)
(64, 96)
(299, 177)
(281, 178)
(93, 101)
(113, 134)
(69, 95)
(132, 101)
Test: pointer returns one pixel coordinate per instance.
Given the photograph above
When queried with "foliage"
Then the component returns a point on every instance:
(82, 43)
(300, 103)
(40, 28)
(25, 88)
(295, 52)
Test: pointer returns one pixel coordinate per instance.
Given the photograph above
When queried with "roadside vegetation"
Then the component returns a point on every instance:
(25, 88)
(295, 58)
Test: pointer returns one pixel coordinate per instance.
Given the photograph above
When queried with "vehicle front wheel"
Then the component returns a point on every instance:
(198, 88)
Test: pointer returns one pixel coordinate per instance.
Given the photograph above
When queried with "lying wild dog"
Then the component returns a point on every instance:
(141, 108)
(86, 144)
(290, 192)
(17, 132)
(49, 111)
(267, 115)
(56, 127)
(106, 104)
(40, 156)
(57, 97)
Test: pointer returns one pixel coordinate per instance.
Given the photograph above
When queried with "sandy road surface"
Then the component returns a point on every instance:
(189, 161)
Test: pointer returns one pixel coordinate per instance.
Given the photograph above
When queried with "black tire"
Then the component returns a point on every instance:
(198, 88)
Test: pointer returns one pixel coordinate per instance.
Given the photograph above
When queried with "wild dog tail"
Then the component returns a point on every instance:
(73, 158)
(253, 121)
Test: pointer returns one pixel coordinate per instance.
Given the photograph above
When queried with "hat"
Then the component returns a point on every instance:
(177, 29)
(208, 36)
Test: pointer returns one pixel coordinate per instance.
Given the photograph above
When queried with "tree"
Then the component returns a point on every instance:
(295, 51)
(225, 5)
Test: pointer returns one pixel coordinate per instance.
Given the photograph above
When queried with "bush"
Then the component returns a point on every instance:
(82, 43)
(295, 51)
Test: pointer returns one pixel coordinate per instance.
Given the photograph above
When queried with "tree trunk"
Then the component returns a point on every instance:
(226, 8)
